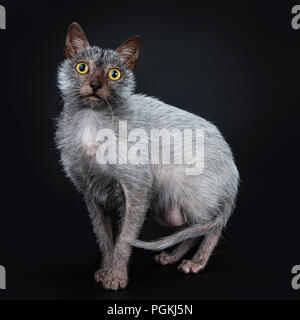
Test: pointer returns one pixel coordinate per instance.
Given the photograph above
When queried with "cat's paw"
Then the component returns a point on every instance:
(191, 267)
(112, 279)
(164, 258)
(99, 275)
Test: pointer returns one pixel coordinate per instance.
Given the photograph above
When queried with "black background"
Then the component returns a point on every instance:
(234, 63)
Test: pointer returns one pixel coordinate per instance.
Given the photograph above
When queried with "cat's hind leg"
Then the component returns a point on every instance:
(174, 218)
(165, 257)
(201, 257)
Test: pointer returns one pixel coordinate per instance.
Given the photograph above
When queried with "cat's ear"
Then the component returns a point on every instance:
(129, 51)
(75, 40)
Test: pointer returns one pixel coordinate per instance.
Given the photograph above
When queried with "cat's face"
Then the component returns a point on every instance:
(96, 77)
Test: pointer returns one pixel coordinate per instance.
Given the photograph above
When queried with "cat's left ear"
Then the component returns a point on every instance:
(75, 40)
(129, 51)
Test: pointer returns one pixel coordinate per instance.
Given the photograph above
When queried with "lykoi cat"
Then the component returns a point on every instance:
(97, 87)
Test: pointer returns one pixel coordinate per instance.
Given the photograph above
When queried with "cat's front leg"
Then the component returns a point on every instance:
(136, 208)
(103, 231)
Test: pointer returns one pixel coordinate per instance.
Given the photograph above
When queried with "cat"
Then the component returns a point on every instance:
(97, 87)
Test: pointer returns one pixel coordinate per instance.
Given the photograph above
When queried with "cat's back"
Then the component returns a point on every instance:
(152, 113)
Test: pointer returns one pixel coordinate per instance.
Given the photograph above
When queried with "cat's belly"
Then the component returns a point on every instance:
(168, 218)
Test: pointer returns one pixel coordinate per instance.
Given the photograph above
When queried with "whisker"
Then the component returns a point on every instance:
(75, 98)
(111, 110)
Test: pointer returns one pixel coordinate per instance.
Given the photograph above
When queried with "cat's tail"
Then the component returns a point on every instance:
(194, 231)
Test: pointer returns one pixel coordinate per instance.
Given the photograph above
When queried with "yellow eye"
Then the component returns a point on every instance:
(114, 74)
(82, 67)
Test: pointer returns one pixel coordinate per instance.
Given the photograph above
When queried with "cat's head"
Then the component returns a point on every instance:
(95, 77)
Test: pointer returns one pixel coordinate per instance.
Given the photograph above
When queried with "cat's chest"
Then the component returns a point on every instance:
(87, 138)
(84, 130)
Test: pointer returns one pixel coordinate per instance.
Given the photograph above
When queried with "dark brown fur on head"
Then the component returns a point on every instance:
(97, 76)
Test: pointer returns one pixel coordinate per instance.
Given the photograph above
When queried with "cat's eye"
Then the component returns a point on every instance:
(82, 67)
(114, 74)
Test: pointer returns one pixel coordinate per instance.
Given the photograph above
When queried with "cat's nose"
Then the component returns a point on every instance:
(95, 86)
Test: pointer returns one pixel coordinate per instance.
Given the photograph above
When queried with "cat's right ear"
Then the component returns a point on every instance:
(129, 51)
(75, 41)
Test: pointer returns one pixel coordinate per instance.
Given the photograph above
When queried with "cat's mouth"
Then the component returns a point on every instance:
(93, 97)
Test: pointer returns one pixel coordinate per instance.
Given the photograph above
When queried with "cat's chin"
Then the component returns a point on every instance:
(93, 102)
(93, 99)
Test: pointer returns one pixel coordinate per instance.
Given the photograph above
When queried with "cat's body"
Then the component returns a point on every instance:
(202, 203)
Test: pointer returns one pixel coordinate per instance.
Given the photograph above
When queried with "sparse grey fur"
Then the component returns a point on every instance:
(206, 201)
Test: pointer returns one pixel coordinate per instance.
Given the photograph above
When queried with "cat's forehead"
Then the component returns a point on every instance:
(99, 55)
